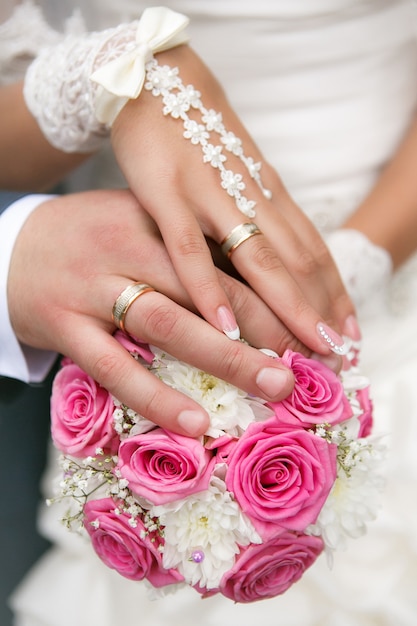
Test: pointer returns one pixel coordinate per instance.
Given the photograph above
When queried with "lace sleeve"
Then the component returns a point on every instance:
(86, 80)
(24, 35)
(366, 269)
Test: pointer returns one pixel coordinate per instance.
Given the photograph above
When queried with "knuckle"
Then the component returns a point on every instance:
(301, 308)
(190, 244)
(323, 255)
(111, 233)
(107, 238)
(153, 404)
(264, 257)
(234, 364)
(306, 264)
(108, 371)
(161, 323)
(207, 289)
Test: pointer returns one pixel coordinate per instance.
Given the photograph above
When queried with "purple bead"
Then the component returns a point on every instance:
(197, 556)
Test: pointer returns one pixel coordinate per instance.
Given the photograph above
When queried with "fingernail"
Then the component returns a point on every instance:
(332, 361)
(193, 422)
(228, 323)
(271, 381)
(332, 339)
(351, 328)
(269, 352)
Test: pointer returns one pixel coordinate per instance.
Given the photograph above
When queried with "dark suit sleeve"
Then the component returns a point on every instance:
(24, 427)
(8, 197)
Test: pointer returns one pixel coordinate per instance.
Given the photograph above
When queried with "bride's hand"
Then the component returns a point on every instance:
(288, 264)
(76, 254)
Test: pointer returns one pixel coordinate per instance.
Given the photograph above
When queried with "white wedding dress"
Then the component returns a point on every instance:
(328, 89)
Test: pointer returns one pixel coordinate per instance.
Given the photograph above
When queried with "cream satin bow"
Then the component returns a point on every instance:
(122, 79)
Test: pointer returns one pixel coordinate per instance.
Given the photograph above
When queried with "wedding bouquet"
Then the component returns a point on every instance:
(242, 511)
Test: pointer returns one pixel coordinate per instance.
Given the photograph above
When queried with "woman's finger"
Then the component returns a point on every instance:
(191, 194)
(340, 306)
(156, 319)
(193, 264)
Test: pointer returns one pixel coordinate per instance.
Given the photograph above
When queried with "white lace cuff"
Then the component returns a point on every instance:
(76, 90)
(365, 268)
(24, 35)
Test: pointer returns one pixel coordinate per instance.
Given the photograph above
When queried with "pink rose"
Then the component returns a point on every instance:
(221, 447)
(366, 417)
(281, 475)
(162, 466)
(122, 547)
(268, 570)
(318, 394)
(204, 592)
(81, 413)
(134, 346)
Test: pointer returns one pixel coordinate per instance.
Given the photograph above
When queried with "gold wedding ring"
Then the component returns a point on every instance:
(237, 236)
(125, 300)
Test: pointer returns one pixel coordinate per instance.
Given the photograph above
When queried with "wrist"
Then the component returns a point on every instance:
(76, 89)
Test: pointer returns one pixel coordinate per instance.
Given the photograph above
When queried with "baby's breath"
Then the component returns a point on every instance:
(81, 479)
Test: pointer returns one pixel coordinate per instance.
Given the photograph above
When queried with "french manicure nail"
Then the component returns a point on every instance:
(228, 323)
(269, 352)
(351, 328)
(272, 380)
(193, 422)
(332, 339)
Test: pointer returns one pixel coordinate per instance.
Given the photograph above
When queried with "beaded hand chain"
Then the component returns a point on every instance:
(178, 100)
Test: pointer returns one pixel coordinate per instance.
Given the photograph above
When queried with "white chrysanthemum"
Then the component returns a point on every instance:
(208, 526)
(355, 497)
(353, 382)
(346, 431)
(158, 593)
(231, 410)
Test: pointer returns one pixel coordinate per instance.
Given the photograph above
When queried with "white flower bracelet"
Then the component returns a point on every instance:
(86, 82)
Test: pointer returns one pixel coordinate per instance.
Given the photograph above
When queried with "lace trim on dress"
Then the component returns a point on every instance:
(365, 268)
(366, 271)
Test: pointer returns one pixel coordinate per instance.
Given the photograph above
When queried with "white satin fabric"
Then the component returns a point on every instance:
(18, 360)
(327, 88)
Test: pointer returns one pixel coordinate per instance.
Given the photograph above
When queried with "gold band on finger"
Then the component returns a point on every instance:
(237, 236)
(125, 300)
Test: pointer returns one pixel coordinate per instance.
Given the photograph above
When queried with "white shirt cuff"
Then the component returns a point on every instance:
(17, 360)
